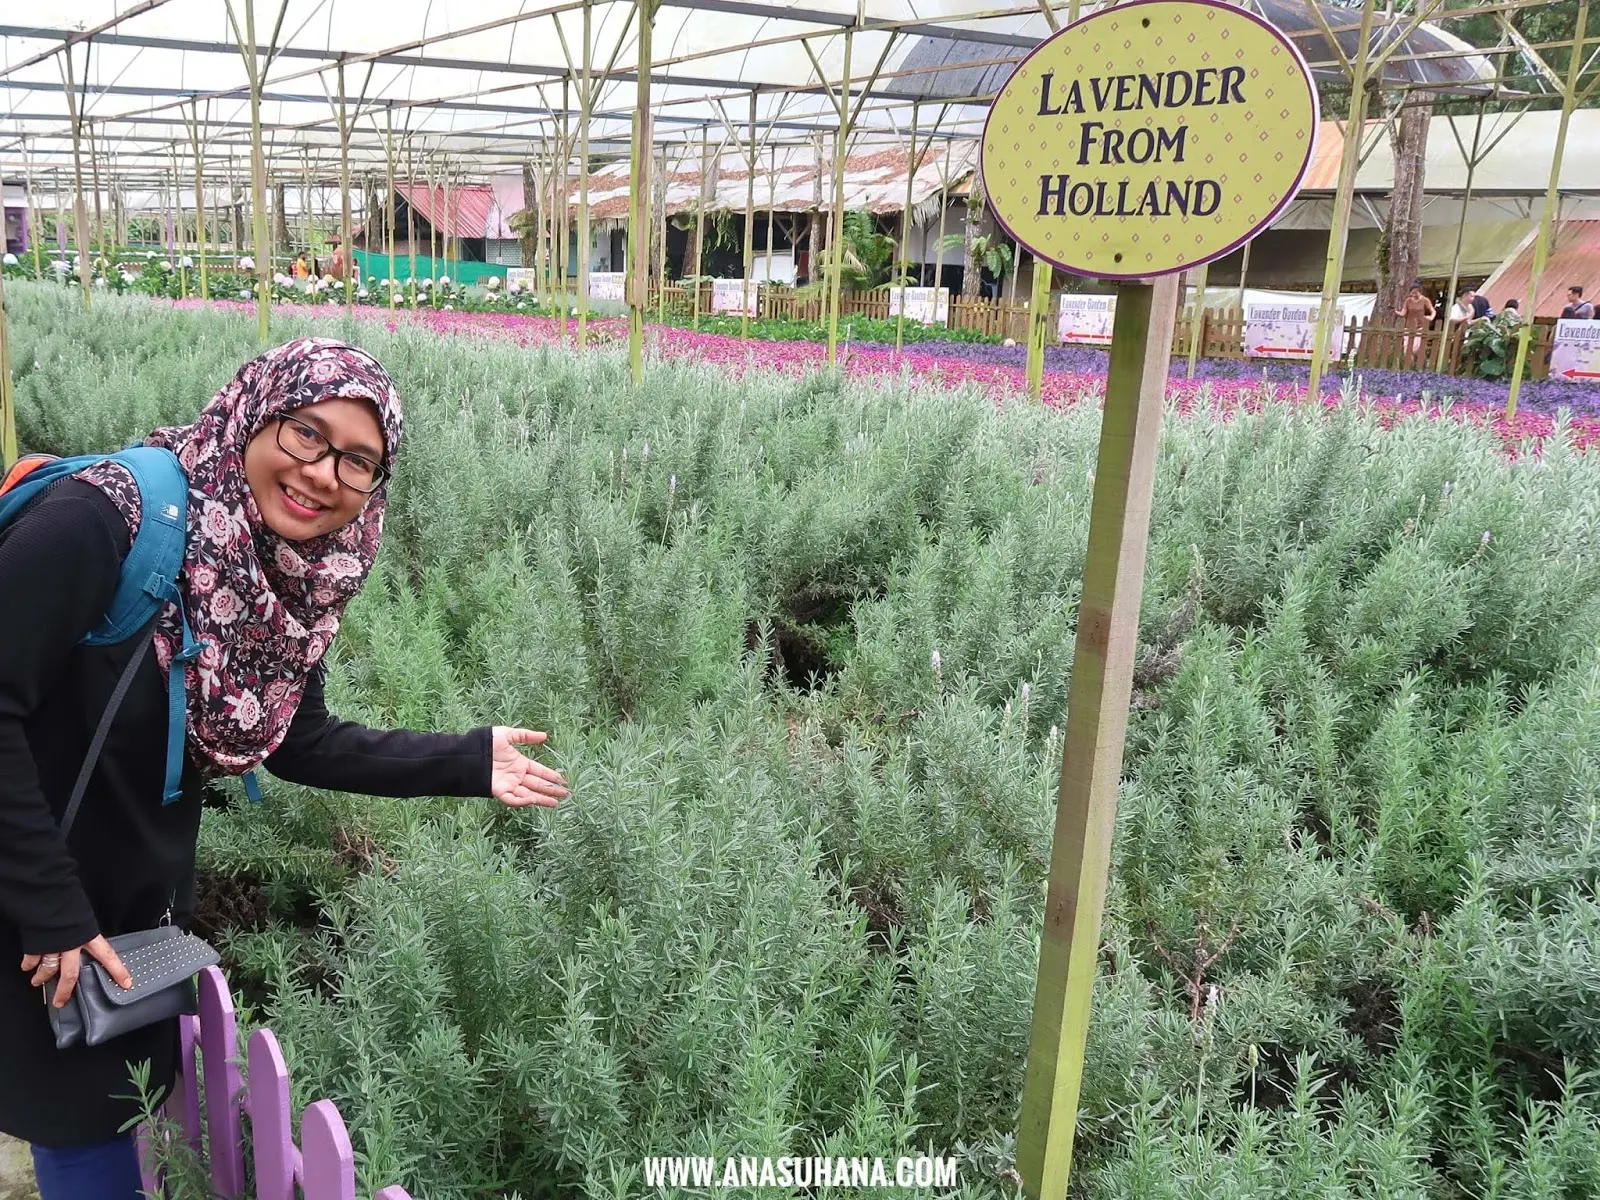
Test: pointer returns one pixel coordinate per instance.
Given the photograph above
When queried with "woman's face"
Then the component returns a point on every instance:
(300, 500)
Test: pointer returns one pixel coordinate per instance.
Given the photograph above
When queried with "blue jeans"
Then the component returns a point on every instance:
(107, 1171)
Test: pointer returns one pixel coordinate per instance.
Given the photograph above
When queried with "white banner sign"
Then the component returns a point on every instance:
(1086, 319)
(925, 304)
(728, 296)
(1575, 354)
(607, 285)
(1286, 331)
(522, 275)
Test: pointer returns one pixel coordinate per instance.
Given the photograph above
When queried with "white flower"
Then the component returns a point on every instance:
(329, 280)
(186, 261)
(1026, 691)
(10, 260)
(492, 284)
(244, 294)
(449, 308)
(99, 281)
(60, 267)
(1009, 342)
(397, 298)
(361, 293)
(515, 287)
(126, 278)
(150, 254)
(444, 281)
(937, 662)
(245, 264)
(1485, 540)
(161, 264)
(520, 304)
(672, 486)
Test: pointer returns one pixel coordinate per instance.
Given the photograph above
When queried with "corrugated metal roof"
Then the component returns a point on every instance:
(1574, 258)
(875, 181)
(472, 209)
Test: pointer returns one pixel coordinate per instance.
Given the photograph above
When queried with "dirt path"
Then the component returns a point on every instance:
(16, 1171)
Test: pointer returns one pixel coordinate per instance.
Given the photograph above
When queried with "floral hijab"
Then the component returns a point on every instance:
(267, 608)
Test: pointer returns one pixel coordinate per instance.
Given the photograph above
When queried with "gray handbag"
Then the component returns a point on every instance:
(163, 961)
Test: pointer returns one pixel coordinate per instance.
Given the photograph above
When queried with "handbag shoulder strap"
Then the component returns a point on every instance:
(145, 637)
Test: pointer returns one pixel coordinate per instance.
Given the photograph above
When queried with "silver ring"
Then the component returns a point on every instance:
(50, 960)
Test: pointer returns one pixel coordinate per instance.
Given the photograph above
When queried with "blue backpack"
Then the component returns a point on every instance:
(149, 579)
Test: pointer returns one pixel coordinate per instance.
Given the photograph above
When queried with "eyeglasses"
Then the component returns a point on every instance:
(355, 471)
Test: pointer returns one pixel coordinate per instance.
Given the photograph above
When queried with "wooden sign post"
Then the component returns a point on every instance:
(1134, 144)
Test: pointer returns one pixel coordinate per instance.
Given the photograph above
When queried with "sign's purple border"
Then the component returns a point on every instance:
(1288, 196)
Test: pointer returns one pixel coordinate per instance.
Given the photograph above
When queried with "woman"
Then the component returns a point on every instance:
(287, 468)
(1418, 313)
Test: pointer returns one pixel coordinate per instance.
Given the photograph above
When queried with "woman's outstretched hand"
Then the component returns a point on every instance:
(516, 779)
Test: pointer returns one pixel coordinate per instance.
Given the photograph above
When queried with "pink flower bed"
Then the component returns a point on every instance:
(1003, 383)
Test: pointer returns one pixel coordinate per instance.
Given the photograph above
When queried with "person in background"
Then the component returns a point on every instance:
(1416, 312)
(1480, 307)
(1577, 309)
(302, 266)
(336, 265)
(1462, 309)
(1514, 307)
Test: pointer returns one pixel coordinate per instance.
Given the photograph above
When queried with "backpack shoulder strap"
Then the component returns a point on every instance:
(150, 571)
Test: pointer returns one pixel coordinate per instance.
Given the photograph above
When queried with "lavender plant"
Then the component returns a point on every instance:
(803, 647)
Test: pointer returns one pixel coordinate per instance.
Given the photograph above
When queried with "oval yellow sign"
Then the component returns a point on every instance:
(1149, 138)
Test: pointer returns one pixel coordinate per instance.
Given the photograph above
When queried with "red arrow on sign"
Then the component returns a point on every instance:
(1282, 350)
(1573, 373)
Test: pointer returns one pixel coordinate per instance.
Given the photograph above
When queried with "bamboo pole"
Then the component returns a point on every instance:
(446, 234)
(1344, 197)
(80, 217)
(199, 204)
(1552, 198)
(1038, 325)
(1197, 316)
(388, 223)
(36, 215)
(344, 197)
(639, 199)
(541, 274)
(1461, 230)
(835, 282)
(700, 221)
(411, 222)
(749, 226)
(561, 213)
(1096, 726)
(905, 233)
(99, 219)
(586, 107)
(1244, 269)
(177, 224)
(8, 395)
(666, 187)
(772, 210)
(258, 184)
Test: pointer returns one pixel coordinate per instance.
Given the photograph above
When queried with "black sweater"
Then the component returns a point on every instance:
(128, 856)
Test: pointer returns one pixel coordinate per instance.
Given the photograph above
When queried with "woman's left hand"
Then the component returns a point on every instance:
(517, 780)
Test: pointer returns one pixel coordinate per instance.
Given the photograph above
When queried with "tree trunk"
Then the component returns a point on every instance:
(971, 272)
(530, 209)
(1400, 241)
(280, 218)
(371, 217)
(238, 221)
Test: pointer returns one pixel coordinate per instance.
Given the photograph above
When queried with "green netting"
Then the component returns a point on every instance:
(376, 266)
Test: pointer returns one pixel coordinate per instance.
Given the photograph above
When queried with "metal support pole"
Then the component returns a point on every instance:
(639, 199)
(411, 222)
(905, 234)
(1552, 198)
(446, 234)
(177, 224)
(199, 204)
(1344, 197)
(749, 226)
(1197, 316)
(772, 211)
(586, 107)
(835, 283)
(1097, 719)
(99, 218)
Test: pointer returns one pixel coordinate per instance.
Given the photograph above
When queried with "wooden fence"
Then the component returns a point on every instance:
(322, 1166)
(1362, 344)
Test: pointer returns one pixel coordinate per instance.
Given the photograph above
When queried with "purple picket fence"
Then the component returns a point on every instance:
(323, 1165)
